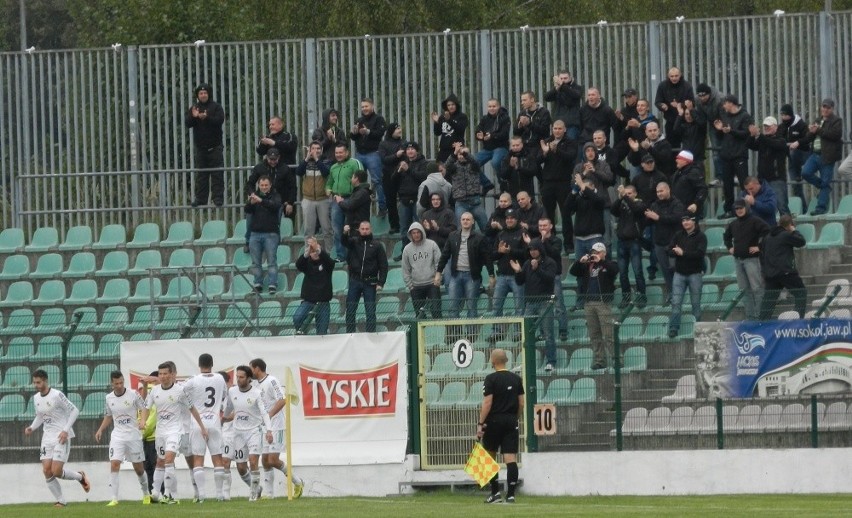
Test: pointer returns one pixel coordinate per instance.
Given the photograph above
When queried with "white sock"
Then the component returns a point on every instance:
(283, 469)
(194, 485)
(159, 476)
(143, 483)
(71, 475)
(255, 482)
(113, 484)
(226, 483)
(218, 480)
(268, 481)
(171, 481)
(198, 477)
(56, 489)
(246, 478)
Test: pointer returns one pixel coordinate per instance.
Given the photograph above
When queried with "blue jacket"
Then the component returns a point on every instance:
(765, 203)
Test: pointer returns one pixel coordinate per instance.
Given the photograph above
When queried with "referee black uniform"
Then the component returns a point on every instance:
(502, 404)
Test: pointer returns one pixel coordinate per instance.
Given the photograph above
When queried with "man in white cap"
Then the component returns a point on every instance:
(772, 151)
(598, 274)
(688, 184)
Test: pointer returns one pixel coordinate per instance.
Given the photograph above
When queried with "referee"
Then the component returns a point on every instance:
(502, 406)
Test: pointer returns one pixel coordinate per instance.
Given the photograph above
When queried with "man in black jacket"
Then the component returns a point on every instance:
(264, 206)
(743, 238)
(529, 213)
(794, 129)
(665, 214)
(733, 128)
(450, 126)
(672, 92)
(557, 156)
(367, 133)
(589, 203)
(771, 160)
(630, 212)
(493, 134)
(596, 115)
(688, 184)
(368, 270)
(826, 137)
(533, 123)
(520, 168)
(466, 252)
(410, 174)
(598, 275)
(329, 133)
(283, 183)
(357, 206)
(536, 275)
(392, 153)
(688, 247)
(553, 248)
(779, 267)
(285, 142)
(566, 96)
(509, 246)
(317, 266)
(646, 190)
(206, 118)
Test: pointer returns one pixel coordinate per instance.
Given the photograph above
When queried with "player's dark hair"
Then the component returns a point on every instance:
(342, 145)
(114, 375)
(225, 375)
(258, 363)
(205, 361)
(169, 366)
(247, 370)
(40, 374)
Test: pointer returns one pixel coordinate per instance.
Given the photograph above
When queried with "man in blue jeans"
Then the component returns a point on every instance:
(264, 206)
(466, 252)
(689, 248)
(826, 137)
(317, 266)
(368, 269)
(367, 134)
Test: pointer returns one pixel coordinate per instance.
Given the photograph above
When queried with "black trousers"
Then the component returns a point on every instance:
(150, 450)
(773, 286)
(555, 195)
(428, 299)
(212, 177)
(733, 168)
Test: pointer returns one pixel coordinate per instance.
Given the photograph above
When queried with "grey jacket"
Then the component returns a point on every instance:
(419, 260)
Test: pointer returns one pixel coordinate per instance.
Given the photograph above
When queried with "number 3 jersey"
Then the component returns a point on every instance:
(124, 410)
(207, 391)
(172, 404)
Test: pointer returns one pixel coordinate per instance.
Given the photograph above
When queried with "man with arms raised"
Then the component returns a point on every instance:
(125, 442)
(57, 414)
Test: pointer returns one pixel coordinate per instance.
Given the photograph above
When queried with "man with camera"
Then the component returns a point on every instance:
(463, 171)
(206, 118)
(597, 274)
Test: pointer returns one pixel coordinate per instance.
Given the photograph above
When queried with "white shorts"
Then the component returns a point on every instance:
(185, 446)
(227, 442)
(52, 450)
(246, 443)
(130, 451)
(277, 445)
(198, 446)
(171, 442)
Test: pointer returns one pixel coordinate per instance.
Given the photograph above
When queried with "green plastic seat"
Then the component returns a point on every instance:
(631, 329)
(84, 291)
(286, 228)
(146, 259)
(238, 315)
(215, 256)
(474, 398)
(87, 321)
(17, 378)
(723, 270)
(114, 319)
(812, 205)
(242, 260)
(142, 318)
(562, 364)
(442, 367)
(581, 361)
(95, 402)
(19, 293)
(238, 237)
(49, 348)
(213, 232)
(269, 313)
(454, 393)
(12, 406)
(51, 321)
(282, 257)
(116, 291)
(174, 318)
(180, 289)
(396, 252)
(11, 240)
(141, 337)
(808, 231)
(208, 316)
(296, 289)
(75, 398)
(171, 335)
(180, 233)
(77, 238)
(15, 267)
(380, 226)
(239, 289)
(844, 210)
(78, 376)
(116, 263)
(339, 281)
(20, 349)
(19, 322)
(49, 266)
(578, 331)
(51, 293)
(715, 241)
(433, 393)
(387, 307)
(558, 391)
(82, 265)
(832, 235)
(394, 283)
(212, 286)
(730, 292)
(794, 203)
(635, 359)
(109, 347)
(146, 235)
(44, 239)
(584, 391)
(709, 294)
(182, 258)
(112, 237)
(146, 291)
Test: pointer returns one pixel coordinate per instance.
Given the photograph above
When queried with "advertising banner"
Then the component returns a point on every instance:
(352, 389)
(774, 358)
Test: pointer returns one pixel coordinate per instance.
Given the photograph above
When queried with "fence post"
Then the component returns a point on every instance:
(655, 58)
(485, 81)
(720, 426)
(414, 387)
(616, 364)
(66, 340)
(133, 127)
(814, 421)
(827, 73)
(310, 50)
(530, 325)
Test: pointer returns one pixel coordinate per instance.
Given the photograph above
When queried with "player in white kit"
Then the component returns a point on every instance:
(123, 408)
(273, 399)
(245, 409)
(171, 403)
(57, 414)
(227, 443)
(207, 392)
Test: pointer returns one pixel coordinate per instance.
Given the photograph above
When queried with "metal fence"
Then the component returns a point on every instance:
(86, 135)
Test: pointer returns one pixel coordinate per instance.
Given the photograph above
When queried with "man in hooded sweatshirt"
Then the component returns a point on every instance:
(329, 133)
(449, 126)
(536, 275)
(420, 259)
(206, 118)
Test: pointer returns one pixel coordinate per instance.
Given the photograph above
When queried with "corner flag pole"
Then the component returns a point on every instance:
(291, 398)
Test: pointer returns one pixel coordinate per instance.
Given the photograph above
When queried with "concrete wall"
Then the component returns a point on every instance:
(596, 473)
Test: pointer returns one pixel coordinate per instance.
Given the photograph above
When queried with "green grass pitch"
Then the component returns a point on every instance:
(468, 504)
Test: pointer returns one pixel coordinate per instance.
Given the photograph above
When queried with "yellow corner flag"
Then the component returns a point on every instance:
(480, 465)
(290, 390)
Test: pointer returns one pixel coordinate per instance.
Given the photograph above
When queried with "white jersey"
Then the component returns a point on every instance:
(124, 410)
(56, 413)
(248, 408)
(172, 405)
(207, 391)
(272, 392)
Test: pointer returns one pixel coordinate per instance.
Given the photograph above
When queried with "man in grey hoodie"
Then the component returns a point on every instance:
(419, 264)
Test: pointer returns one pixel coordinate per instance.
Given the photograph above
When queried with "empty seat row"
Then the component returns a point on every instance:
(80, 347)
(17, 407)
(80, 376)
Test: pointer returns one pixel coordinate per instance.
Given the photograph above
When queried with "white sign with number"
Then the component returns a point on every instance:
(462, 354)
(544, 419)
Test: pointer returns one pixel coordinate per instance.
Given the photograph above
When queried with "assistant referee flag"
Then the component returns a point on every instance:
(480, 465)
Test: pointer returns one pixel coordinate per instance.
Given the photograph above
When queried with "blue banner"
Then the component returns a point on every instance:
(774, 358)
